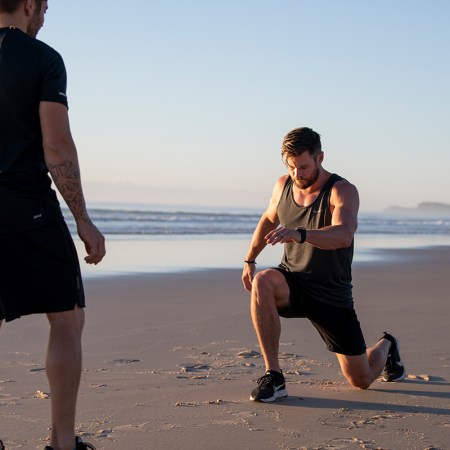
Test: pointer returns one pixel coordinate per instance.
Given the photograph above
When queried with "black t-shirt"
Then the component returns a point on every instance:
(30, 72)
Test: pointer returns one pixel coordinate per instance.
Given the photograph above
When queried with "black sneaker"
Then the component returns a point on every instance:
(270, 387)
(394, 370)
(79, 445)
(83, 445)
(2, 447)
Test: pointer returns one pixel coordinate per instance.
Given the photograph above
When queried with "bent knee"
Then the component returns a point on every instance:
(359, 381)
(262, 279)
(270, 287)
(269, 279)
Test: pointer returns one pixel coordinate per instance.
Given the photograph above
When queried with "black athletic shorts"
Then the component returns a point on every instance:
(338, 327)
(39, 272)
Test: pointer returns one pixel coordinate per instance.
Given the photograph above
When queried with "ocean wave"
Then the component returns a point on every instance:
(163, 223)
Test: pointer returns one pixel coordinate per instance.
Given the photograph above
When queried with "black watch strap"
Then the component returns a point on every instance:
(302, 232)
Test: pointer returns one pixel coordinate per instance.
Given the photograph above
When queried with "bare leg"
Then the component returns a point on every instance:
(63, 367)
(361, 371)
(269, 291)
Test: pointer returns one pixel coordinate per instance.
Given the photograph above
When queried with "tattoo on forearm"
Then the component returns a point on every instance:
(66, 177)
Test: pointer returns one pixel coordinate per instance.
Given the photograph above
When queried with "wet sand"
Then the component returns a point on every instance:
(170, 360)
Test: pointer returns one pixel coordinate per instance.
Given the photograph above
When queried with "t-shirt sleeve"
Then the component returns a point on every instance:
(54, 81)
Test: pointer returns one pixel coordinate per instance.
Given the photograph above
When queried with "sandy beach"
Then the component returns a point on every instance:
(170, 360)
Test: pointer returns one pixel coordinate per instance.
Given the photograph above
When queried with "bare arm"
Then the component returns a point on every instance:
(62, 162)
(268, 222)
(344, 202)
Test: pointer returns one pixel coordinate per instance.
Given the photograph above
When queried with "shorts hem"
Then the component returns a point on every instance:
(346, 353)
(54, 310)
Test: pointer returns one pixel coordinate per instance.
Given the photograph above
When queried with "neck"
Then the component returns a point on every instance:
(8, 20)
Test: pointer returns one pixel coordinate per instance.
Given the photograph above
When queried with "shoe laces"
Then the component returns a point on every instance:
(265, 380)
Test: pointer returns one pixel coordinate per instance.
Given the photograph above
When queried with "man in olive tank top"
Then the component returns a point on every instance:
(313, 213)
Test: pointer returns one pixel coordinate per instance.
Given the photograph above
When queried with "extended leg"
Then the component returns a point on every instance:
(63, 367)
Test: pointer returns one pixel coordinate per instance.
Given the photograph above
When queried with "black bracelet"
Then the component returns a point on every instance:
(252, 261)
(302, 232)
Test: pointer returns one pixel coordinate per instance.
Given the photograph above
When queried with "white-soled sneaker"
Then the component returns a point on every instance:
(271, 386)
(394, 370)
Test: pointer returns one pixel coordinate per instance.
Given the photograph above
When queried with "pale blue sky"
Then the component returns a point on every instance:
(187, 102)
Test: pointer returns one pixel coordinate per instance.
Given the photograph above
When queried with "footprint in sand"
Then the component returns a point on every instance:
(37, 370)
(125, 361)
(345, 443)
(104, 433)
(249, 354)
(194, 367)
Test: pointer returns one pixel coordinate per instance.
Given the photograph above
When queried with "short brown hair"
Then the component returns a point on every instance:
(301, 140)
(10, 6)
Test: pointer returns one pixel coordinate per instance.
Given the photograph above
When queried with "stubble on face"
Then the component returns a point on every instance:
(305, 183)
(37, 21)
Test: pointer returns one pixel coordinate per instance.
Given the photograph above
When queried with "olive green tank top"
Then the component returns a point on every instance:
(327, 273)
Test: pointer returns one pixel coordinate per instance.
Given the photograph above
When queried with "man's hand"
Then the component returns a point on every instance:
(247, 276)
(94, 242)
(282, 236)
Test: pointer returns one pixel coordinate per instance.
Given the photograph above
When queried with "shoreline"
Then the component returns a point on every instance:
(170, 360)
(145, 256)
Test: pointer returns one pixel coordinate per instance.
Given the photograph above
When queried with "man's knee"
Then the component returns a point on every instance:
(270, 287)
(269, 280)
(263, 281)
(359, 380)
(357, 370)
(69, 322)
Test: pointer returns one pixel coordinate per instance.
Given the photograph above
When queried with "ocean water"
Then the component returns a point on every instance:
(165, 239)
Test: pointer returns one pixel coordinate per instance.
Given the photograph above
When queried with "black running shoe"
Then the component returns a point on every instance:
(79, 445)
(270, 387)
(2, 447)
(83, 445)
(394, 370)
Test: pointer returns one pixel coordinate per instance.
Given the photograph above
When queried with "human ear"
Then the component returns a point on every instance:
(29, 6)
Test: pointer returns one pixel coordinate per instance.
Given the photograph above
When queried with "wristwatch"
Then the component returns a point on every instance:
(302, 232)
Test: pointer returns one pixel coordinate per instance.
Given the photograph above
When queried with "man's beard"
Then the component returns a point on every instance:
(35, 25)
(305, 183)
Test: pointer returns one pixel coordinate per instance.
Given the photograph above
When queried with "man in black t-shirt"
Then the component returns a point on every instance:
(39, 269)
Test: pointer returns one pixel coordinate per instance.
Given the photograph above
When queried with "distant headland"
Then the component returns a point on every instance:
(422, 208)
